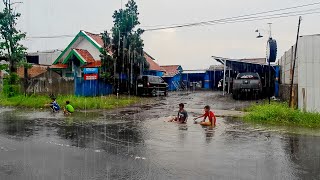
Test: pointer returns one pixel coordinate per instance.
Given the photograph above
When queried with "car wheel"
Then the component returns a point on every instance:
(235, 96)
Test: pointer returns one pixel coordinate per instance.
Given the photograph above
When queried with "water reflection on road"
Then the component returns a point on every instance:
(136, 143)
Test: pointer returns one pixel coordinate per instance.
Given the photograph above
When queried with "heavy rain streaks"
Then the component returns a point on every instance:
(136, 143)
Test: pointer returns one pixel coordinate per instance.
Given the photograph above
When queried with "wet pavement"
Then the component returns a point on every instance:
(137, 143)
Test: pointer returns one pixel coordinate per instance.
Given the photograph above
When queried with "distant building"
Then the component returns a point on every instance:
(80, 61)
(173, 76)
(154, 68)
(43, 57)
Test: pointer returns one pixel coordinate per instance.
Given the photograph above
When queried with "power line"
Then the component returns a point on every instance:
(50, 37)
(275, 16)
(280, 15)
(266, 18)
(265, 12)
(235, 19)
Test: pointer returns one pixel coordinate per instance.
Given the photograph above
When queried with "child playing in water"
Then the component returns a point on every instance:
(210, 115)
(68, 110)
(53, 105)
(182, 115)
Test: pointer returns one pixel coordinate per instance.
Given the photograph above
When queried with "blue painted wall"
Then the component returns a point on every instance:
(209, 79)
(213, 78)
(177, 78)
(193, 77)
(92, 88)
(85, 88)
(153, 73)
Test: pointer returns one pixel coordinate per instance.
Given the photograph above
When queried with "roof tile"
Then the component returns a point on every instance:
(34, 71)
(170, 70)
(96, 37)
(92, 65)
(86, 55)
(59, 66)
(153, 65)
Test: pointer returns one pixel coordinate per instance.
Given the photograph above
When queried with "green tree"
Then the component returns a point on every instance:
(10, 46)
(107, 61)
(127, 45)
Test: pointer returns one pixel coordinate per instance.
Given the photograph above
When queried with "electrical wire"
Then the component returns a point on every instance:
(234, 19)
(248, 19)
(253, 14)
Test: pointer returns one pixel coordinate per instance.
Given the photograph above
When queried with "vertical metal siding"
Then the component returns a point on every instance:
(309, 74)
(285, 62)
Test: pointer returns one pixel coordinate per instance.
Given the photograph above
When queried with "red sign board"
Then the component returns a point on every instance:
(89, 77)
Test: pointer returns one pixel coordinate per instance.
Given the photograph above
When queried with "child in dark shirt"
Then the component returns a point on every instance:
(182, 115)
(53, 105)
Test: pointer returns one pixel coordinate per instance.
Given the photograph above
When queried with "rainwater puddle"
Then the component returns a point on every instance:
(141, 144)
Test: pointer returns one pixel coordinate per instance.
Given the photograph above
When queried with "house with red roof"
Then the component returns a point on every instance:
(154, 68)
(173, 76)
(81, 61)
(82, 52)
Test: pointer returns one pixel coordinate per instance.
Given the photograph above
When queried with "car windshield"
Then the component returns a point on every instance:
(248, 76)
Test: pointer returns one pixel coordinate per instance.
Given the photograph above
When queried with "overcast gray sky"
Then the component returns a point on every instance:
(190, 47)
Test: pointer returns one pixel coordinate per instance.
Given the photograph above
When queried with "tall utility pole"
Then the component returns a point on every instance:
(294, 65)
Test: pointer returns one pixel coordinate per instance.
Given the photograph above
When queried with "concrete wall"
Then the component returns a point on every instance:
(284, 92)
(49, 83)
(309, 74)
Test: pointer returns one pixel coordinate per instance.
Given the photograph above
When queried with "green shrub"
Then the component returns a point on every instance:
(11, 86)
(82, 103)
(281, 114)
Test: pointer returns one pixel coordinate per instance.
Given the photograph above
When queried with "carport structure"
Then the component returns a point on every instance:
(232, 67)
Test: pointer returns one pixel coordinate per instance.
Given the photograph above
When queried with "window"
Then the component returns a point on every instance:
(33, 59)
(248, 76)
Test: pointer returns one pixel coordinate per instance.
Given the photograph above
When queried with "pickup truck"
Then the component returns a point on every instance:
(151, 85)
(247, 83)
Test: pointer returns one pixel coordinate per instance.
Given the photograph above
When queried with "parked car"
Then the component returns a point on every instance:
(228, 81)
(247, 83)
(151, 85)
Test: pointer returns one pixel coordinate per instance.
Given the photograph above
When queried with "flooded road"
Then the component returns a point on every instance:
(136, 143)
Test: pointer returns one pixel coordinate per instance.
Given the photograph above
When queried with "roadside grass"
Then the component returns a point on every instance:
(280, 114)
(38, 101)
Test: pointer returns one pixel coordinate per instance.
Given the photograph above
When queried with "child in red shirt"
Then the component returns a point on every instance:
(210, 115)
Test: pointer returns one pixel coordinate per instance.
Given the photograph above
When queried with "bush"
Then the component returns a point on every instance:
(37, 101)
(281, 114)
(11, 86)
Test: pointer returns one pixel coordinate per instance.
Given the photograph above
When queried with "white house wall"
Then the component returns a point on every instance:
(309, 73)
(85, 44)
(75, 45)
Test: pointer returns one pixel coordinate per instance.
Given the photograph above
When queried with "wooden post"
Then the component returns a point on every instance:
(294, 65)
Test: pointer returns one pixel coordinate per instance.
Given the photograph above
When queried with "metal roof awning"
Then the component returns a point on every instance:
(249, 61)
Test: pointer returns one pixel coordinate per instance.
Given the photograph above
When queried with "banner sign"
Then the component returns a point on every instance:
(90, 71)
(88, 77)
